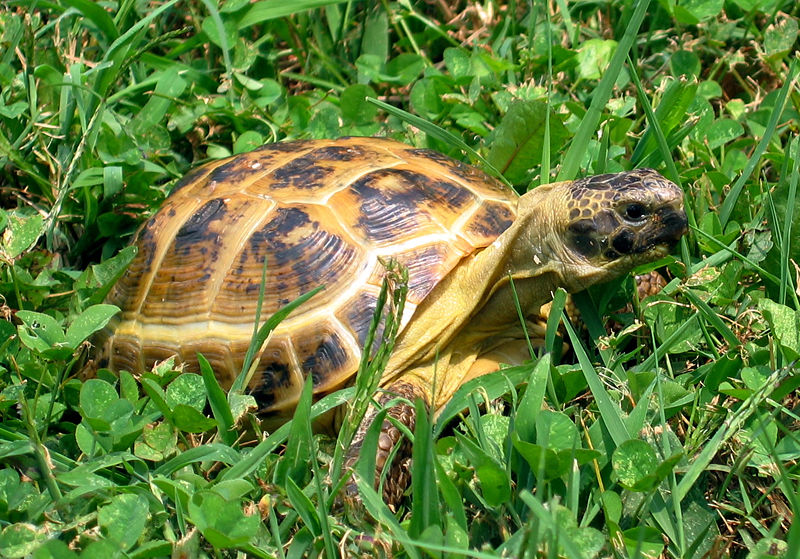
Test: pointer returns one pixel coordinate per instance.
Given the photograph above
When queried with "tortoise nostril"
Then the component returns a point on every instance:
(623, 242)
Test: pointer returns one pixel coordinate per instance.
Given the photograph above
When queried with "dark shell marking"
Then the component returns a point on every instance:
(320, 213)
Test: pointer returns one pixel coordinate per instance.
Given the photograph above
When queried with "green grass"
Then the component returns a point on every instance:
(673, 436)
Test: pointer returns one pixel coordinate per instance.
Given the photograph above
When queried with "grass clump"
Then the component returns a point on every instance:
(674, 435)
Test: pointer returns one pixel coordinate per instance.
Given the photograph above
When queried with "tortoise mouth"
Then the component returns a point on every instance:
(668, 228)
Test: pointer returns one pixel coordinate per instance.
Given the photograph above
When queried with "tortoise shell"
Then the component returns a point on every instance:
(322, 212)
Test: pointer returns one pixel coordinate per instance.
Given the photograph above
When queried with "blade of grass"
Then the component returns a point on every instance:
(588, 126)
(610, 413)
(223, 44)
(259, 12)
(493, 385)
(546, 517)
(384, 517)
(424, 498)
(263, 334)
(220, 406)
(295, 458)
(655, 126)
(97, 15)
(254, 459)
(713, 318)
(786, 239)
(780, 104)
(734, 421)
(546, 164)
(215, 452)
(554, 318)
(678, 335)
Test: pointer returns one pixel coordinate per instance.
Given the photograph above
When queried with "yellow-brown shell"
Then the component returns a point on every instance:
(322, 213)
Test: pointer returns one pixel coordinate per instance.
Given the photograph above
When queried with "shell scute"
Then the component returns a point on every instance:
(398, 205)
(324, 349)
(492, 216)
(305, 172)
(427, 265)
(304, 247)
(276, 384)
(185, 285)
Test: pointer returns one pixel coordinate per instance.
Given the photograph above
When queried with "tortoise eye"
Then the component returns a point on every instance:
(635, 211)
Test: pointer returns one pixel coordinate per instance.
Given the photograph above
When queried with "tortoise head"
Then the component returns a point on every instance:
(601, 227)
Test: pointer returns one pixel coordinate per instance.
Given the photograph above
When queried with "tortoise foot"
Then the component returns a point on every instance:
(391, 442)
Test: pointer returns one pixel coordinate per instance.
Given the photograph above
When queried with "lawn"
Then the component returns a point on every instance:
(668, 427)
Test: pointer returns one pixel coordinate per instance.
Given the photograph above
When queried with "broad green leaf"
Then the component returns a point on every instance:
(187, 389)
(545, 463)
(694, 11)
(634, 461)
(54, 549)
(494, 482)
(222, 522)
(124, 519)
(637, 467)
(88, 322)
(96, 396)
(21, 539)
(644, 541)
(15, 495)
(594, 56)
(426, 97)
(723, 131)
(248, 141)
(493, 478)
(354, 104)
(685, 63)
(190, 420)
(230, 30)
(584, 539)
(458, 63)
(42, 334)
(518, 142)
(404, 68)
(157, 442)
(785, 325)
(779, 38)
(22, 232)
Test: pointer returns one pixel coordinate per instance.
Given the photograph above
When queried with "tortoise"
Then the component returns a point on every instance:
(331, 212)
